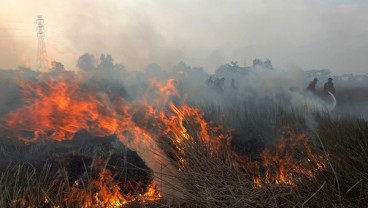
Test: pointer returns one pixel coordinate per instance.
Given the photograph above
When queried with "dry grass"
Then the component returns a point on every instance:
(222, 178)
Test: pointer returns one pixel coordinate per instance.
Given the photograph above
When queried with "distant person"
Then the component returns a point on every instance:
(210, 81)
(233, 84)
(312, 86)
(329, 86)
(222, 83)
(216, 83)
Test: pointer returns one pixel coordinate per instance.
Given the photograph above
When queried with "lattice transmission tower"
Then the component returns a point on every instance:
(42, 63)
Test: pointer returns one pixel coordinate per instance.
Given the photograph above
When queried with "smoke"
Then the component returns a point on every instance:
(135, 37)
(257, 88)
(15, 50)
(309, 34)
(256, 85)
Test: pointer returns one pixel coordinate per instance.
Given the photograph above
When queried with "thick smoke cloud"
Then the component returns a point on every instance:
(258, 88)
(308, 34)
(15, 50)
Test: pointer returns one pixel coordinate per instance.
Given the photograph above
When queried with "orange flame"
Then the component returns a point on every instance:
(107, 193)
(56, 108)
(183, 119)
(289, 159)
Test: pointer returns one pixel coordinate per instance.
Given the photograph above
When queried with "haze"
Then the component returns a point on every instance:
(303, 34)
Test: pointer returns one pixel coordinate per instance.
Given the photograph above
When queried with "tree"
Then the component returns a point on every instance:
(87, 62)
(257, 62)
(57, 66)
(233, 66)
(268, 64)
(106, 62)
(119, 67)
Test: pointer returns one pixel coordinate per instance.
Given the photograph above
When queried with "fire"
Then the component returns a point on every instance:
(161, 92)
(187, 123)
(289, 159)
(105, 192)
(57, 107)
(151, 194)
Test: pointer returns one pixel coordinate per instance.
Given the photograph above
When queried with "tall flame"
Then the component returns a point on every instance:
(57, 107)
(56, 110)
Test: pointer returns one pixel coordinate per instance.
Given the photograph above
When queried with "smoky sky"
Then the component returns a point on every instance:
(305, 34)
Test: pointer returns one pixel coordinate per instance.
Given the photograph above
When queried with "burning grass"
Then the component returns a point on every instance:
(194, 156)
(296, 172)
(22, 185)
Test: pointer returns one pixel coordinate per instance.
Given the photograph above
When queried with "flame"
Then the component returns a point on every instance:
(162, 92)
(107, 193)
(57, 107)
(56, 110)
(290, 158)
(151, 194)
(187, 123)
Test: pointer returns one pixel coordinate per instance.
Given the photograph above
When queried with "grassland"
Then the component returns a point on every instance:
(209, 179)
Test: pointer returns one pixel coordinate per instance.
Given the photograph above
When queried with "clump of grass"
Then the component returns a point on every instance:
(345, 141)
(25, 185)
(214, 182)
(21, 185)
